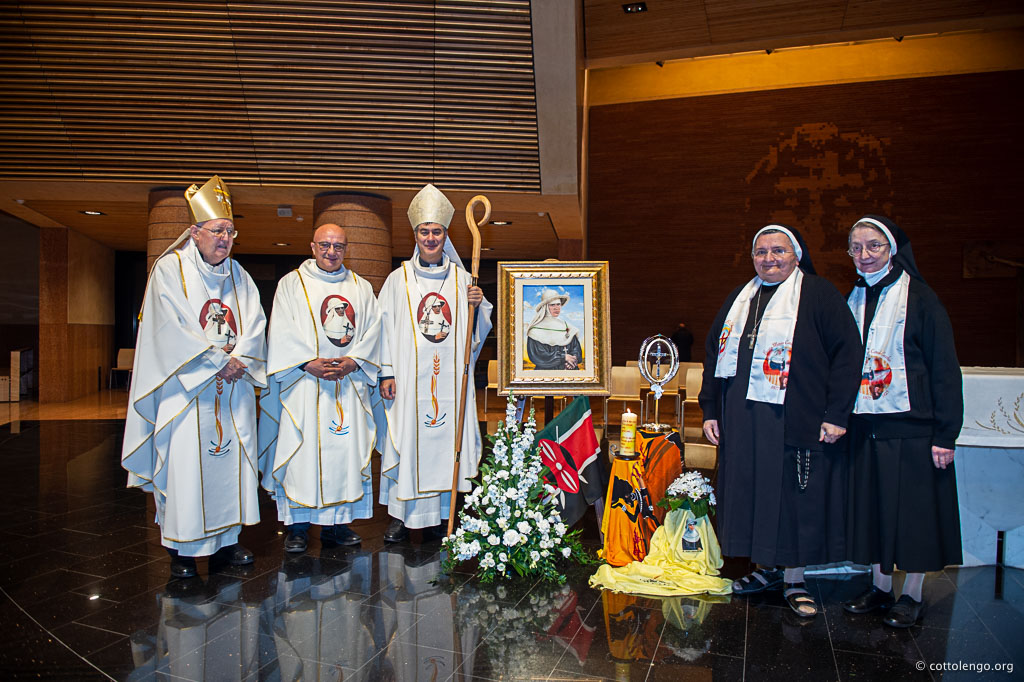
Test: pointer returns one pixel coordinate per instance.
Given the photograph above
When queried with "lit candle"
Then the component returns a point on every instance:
(627, 435)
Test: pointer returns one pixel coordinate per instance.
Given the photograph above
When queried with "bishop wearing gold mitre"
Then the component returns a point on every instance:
(190, 432)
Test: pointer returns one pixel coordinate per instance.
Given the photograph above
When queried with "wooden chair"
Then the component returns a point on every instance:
(125, 361)
(626, 382)
(492, 380)
(694, 377)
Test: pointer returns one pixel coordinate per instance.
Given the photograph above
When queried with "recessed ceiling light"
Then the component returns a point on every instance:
(501, 222)
(282, 243)
(634, 7)
(284, 211)
(93, 212)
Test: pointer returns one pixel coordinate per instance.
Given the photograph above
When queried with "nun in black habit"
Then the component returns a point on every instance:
(781, 369)
(903, 507)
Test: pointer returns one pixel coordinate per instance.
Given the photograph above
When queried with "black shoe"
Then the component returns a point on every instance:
(183, 567)
(396, 532)
(435, 533)
(235, 554)
(295, 541)
(759, 580)
(904, 613)
(870, 600)
(341, 535)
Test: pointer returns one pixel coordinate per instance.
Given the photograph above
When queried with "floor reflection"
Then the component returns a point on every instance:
(85, 594)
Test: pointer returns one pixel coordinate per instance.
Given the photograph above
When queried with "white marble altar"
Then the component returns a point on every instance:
(990, 465)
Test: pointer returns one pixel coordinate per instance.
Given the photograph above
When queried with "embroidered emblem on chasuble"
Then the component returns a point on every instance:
(218, 322)
(338, 318)
(434, 317)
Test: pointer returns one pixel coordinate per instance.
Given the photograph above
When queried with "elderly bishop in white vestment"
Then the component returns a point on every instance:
(426, 312)
(190, 431)
(317, 432)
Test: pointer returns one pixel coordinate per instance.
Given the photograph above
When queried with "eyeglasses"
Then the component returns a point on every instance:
(221, 232)
(326, 246)
(873, 248)
(777, 251)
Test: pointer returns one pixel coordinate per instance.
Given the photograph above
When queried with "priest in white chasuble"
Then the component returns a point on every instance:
(427, 309)
(190, 432)
(316, 428)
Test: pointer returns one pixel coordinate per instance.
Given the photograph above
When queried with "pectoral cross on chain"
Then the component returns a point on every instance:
(753, 337)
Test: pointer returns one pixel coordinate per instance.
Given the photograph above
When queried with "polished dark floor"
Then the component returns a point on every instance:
(86, 595)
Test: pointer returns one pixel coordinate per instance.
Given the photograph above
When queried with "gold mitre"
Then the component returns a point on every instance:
(430, 206)
(209, 202)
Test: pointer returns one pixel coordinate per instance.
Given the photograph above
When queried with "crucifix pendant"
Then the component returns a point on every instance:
(753, 337)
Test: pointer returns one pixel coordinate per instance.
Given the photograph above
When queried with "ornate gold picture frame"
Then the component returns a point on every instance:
(553, 328)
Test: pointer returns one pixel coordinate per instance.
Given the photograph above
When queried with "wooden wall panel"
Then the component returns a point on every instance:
(73, 358)
(678, 188)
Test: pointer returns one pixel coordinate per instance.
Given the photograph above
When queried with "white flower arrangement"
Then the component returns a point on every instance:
(509, 522)
(692, 491)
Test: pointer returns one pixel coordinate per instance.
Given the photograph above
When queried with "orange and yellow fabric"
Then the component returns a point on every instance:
(684, 558)
(634, 487)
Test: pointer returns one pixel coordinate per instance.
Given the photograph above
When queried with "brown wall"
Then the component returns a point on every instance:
(678, 188)
(74, 358)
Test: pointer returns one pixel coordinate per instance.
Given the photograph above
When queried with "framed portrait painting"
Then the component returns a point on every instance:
(553, 328)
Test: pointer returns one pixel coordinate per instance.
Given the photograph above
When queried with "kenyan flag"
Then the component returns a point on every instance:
(569, 448)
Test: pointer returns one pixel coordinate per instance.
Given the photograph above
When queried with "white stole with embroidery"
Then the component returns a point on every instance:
(769, 368)
(883, 383)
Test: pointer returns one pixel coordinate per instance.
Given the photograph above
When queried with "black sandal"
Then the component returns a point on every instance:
(800, 600)
(758, 580)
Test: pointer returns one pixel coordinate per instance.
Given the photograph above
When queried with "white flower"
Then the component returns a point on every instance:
(501, 568)
(503, 523)
(511, 538)
(503, 557)
(566, 551)
(493, 539)
(534, 556)
(523, 527)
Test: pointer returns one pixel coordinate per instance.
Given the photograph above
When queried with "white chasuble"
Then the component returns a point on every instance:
(190, 436)
(316, 436)
(425, 318)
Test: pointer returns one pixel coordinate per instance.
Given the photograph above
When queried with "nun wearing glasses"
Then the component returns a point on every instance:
(903, 508)
(781, 368)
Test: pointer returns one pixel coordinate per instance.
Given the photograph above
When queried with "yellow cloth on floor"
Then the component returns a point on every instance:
(684, 559)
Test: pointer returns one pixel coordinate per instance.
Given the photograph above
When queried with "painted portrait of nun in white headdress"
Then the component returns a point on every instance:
(553, 337)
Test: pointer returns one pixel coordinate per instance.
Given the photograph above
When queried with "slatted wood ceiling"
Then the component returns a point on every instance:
(326, 93)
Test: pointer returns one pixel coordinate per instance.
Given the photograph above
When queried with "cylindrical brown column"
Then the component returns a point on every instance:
(367, 222)
(168, 218)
